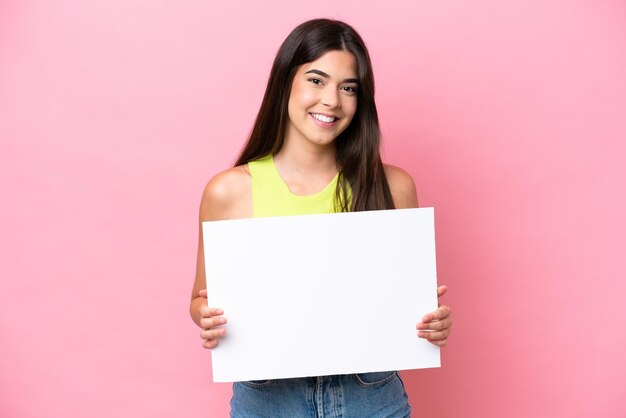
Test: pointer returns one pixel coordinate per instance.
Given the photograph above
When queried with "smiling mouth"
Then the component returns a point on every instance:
(323, 118)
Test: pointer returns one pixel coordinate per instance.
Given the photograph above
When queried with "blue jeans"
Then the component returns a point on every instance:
(379, 394)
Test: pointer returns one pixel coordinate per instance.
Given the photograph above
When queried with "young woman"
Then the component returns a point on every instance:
(314, 148)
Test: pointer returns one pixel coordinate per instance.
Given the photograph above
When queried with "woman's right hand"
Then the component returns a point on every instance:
(211, 323)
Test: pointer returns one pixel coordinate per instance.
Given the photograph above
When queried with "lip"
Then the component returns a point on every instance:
(324, 124)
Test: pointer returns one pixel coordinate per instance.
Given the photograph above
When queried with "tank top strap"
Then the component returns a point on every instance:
(271, 195)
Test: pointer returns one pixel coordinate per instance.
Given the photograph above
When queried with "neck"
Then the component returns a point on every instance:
(307, 159)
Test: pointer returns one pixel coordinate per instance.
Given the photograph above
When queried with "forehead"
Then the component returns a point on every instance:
(339, 64)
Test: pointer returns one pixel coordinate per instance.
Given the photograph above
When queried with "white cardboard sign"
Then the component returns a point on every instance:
(317, 295)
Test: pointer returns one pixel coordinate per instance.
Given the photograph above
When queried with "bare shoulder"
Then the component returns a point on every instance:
(402, 187)
(228, 195)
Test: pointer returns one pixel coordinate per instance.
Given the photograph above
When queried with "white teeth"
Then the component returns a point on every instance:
(323, 118)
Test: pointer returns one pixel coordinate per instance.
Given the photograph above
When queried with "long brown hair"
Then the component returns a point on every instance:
(362, 184)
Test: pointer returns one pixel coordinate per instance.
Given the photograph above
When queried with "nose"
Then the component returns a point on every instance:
(330, 97)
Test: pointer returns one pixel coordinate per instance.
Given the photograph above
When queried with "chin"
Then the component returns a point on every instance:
(324, 141)
(327, 138)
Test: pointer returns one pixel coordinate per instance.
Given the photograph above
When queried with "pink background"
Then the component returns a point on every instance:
(511, 116)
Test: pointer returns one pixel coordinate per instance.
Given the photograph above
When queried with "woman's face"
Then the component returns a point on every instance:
(323, 98)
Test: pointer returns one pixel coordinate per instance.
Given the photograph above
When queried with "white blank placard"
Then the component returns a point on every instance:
(324, 294)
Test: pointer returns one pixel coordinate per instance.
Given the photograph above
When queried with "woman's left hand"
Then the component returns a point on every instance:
(435, 326)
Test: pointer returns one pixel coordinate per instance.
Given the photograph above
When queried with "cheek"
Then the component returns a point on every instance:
(349, 109)
(301, 97)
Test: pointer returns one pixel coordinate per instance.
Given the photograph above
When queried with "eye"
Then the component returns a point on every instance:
(349, 89)
(316, 81)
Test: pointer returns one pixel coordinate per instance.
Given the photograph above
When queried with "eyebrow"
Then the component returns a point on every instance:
(323, 74)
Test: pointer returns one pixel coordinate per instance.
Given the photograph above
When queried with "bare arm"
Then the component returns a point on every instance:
(227, 196)
(434, 326)
(402, 187)
(199, 284)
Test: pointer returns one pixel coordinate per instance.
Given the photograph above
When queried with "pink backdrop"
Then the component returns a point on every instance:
(511, 116)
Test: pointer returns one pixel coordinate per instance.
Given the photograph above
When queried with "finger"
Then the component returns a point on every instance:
(209, 344)
(434, 335)
(212, 334)
(442, 312)
(440, 343)
(207, 312)
(212, 322)
(441, 290)
(435, 325)
(202, 293)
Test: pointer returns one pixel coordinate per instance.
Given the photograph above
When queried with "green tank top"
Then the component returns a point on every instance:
(271, 195)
